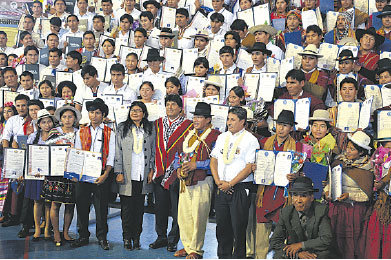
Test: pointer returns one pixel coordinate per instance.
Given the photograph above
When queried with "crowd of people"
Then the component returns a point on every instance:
(194, 161)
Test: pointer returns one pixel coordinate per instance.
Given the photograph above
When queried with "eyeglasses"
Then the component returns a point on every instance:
(136, 110)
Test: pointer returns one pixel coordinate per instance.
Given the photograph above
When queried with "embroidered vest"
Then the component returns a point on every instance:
(86, 141)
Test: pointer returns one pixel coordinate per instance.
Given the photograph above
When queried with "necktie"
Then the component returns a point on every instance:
(54, 72)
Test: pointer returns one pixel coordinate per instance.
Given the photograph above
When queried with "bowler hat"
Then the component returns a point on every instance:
(383, 65)
(259, 46)
(302, 184)
(361, 139)
(155, 3)
(166, 32)
(202, 109)
(386, 11)
(153, 55)
(97, 104)
(286, 117)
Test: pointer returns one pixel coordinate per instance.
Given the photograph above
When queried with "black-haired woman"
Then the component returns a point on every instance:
(134, 166)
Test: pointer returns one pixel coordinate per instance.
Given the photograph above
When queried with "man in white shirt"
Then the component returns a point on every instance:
(184, 31)
(216, 25)
(118, 87)
(227, 59)
(28, 25)
(230, 163)
(125, 34)
(32, 54)
(146, 21)
(153, 7)
(201, 42)
(263, 33)
(55, 57)
(73, 25)
(92, 87)
(27, 85)
(10, 79)
(259, 55)
(128, 9)
(15, 123)
(83, 13)
(219, 8)
(95, 137)
(25, 40)
(3, 44)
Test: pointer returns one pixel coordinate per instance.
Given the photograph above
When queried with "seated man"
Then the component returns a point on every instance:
(264, 33)
(305, 226)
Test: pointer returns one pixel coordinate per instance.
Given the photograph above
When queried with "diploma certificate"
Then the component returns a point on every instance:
(265, 161)
(384, 124)
(195, 86)
(188, 58)
(220, 114)
(14, 159)
(244, 60)
(375, 92)
(309, 18)
(38, 162)
(168, 17)
(172, 60)
(302, 112)
(348, 116)
(58, 154)
(386, 95)
(336, 182)
(251, 81)
(282, 168)
(365, 113)
(267, 84)
(261, 14)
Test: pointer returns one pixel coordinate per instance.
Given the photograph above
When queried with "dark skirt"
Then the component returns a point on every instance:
(58, 189)
(347, 222)
(33, 189)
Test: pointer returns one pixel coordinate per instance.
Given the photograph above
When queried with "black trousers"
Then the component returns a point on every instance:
(27, 213)
(231, 219)
(87, 193)
(164, 201)
(132, 212)
(9, 197)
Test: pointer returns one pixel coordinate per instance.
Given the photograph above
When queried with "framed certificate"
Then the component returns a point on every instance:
(172, 60)
(330, 53)
(272, 167)
(348, 116)
(299, 107)
(13, 166)
(58, 155)
(34, 69)
(247, 16)
(200, 22)
(85, 166)
(38, 162)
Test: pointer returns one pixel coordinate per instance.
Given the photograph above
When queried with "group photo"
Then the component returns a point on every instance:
(190, 129)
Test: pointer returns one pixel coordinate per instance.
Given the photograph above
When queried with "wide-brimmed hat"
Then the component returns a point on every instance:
(203, 34)
(302, 184)
(202, 109)
(386, 11)
(383, 65)
(259, 46)
(155, 3)
(57, 114)
(153, 54)
(286, 117)
(166, 32)
(311, 50)
(346, 55)
(320, 115)
(42, 114)
(371, 31)
(97, 104)
(263, 28)
(361, 139)
(215, 81)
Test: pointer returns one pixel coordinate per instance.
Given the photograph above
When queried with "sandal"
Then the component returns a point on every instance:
(58, 243)
(194, 256)
(180, 253)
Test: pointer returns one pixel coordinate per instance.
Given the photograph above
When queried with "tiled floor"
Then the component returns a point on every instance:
(13, 247)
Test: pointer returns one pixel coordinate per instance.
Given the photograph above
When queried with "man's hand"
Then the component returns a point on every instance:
(343, 197)
(189, 166)
(306, 255)
(291, 250)
(291, 177)
(150, 176)
(197, 4)
(74, 179)
(240, 82)
(253, 167)
(120, 178)
(101, 179)
(225, 187)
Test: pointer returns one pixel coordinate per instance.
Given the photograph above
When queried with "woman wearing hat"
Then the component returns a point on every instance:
(33, 188)
(212, 87)
(341, 30)
(58, 190)
(134, 164)
(369, 41)
(293, 24)
(322, 143)
(377, 229)
(348, 211)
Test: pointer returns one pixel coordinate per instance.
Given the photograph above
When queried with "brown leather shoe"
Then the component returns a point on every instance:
(194, 256)
(180, 253)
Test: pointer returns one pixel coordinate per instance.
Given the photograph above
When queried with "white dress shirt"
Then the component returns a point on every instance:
(129, 95)
(84, 92)
(31, 93)
(97, 142)
(228, 18)
(137, 172)
(48, 71)
(12, 127)
(244, 154)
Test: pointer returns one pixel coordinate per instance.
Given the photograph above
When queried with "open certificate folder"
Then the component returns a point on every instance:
(13, 166)
(354, 115)
(384, 124)
(85, 166)
(300, 108)
(272, 167)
